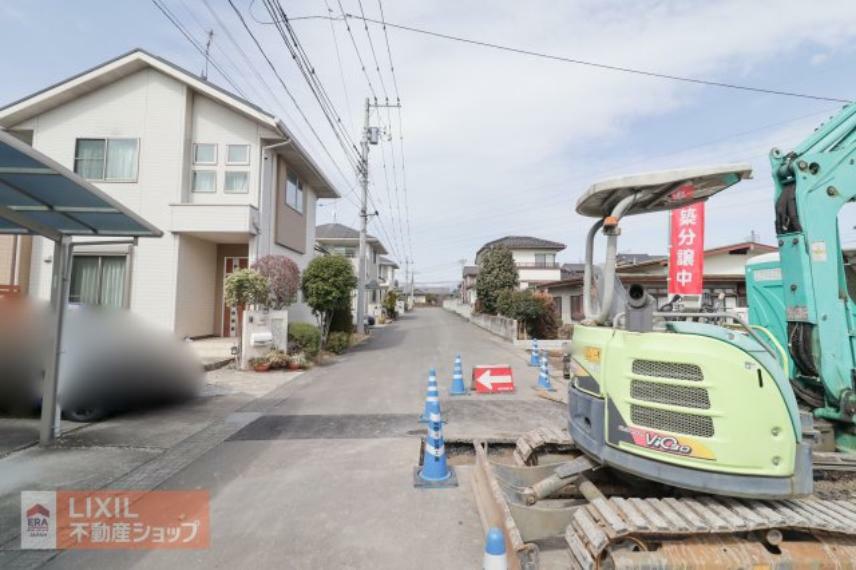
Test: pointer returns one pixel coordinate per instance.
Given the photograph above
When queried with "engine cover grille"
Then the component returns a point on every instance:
(675, 422)
(670, 370)
(685, 396)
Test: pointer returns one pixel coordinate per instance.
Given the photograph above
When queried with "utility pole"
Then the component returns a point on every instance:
(207, 53)
(371, 135)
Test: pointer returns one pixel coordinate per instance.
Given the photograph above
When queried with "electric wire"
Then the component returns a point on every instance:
(180, 27)
(374, 53)
(290, 95)
(605, 66)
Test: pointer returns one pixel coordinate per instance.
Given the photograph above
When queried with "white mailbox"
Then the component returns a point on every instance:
(264, 338)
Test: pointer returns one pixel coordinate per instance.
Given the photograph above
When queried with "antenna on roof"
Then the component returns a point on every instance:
(207, 52)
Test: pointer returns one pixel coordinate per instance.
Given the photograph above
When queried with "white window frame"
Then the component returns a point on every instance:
(106, 154)
(244, 163)
(193, 177)
(300, 195)
(196, 145)
(226, 175)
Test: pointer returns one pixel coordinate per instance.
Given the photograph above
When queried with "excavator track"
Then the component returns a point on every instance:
(623, 531)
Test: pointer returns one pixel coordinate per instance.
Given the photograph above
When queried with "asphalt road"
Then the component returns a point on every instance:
(324, 480)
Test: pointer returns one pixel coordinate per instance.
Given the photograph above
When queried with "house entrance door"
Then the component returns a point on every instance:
(232, 316)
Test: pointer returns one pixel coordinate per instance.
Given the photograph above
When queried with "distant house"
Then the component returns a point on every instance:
(225, 180)
(535, 258)
(339, 239)
(468, 284)
(431, 295)
(386, 276)
(724, 272)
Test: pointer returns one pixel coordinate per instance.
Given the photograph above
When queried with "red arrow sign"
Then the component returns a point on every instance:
(493, 378)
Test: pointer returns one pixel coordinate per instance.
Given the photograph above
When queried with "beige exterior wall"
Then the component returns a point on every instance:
(290, 225)
(150, 107)
(196, 295)
(176, 280)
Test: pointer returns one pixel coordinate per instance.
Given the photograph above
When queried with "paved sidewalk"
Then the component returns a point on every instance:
(134, 451)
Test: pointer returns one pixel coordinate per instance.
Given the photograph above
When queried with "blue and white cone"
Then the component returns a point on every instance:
(544, 375)
(534, 355)
(432, 398)
(494, 551)
(435, 470)
(458, 388)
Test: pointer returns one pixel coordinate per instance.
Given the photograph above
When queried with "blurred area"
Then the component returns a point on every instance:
(110, 362)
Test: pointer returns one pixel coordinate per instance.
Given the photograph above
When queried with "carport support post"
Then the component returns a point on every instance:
(50, 427)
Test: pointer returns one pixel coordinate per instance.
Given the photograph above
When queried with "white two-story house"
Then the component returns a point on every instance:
(339, 239)
(224, 180)
(535, 258)
(386, 276)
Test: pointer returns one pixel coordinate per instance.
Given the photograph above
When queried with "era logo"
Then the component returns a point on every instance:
(38, 520)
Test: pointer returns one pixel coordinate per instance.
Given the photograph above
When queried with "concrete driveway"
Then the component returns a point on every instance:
(323, 479)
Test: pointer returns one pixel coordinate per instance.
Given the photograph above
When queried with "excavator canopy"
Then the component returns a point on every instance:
(662, 190)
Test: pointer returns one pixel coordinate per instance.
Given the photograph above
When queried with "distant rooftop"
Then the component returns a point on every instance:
(471, 270)
(334, 232)
(523, 242)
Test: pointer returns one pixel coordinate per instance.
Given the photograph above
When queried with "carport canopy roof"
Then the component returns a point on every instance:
(38, 196)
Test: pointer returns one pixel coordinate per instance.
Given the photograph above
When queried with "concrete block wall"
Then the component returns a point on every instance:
(500, 326)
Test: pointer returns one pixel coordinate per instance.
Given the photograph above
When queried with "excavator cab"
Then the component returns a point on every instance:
(668, 395)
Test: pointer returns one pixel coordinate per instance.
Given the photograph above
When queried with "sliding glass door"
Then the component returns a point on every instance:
(98, 280)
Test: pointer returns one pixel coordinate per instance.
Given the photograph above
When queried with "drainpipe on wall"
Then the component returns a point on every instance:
(262, 208)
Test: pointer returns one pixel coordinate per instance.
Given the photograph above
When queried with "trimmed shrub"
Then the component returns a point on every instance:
(338, 342)
(283, 277)
(307, 337)
(342, 320)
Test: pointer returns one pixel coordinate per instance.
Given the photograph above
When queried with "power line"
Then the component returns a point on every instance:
(388, 51)
(341, 67)
(357, 50)
(374, 53)
(598, 65)
(301, 59)
(293, 99)
(177, 23)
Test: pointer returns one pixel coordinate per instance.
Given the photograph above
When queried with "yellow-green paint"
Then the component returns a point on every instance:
(753, 428)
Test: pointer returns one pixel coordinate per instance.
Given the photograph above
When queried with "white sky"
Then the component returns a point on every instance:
(498, 143)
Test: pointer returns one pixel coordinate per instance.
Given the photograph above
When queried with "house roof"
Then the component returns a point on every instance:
(642, 278)
(742, 247)
(736, 248)
(636, 258)
(387, 261)
(471, 270)
(335, 232)
(433, 291)
(523, 242)
(138, 59)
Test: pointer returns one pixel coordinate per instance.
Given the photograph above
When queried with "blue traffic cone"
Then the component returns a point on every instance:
(534, 354)
(458, 388)
(435, 470)
(432, 398)
(494, 551)
(544, 375)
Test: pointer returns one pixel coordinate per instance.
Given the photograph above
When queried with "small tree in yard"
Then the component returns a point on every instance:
(243, 288)
(389, 304)
(535, 311)
(327, 285)
(283, 275)
(246, 287)
(497, 272)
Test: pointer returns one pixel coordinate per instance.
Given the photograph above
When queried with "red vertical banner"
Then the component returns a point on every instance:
(686, 251)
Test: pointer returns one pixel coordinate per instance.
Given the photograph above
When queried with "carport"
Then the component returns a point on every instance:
(40, 197)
